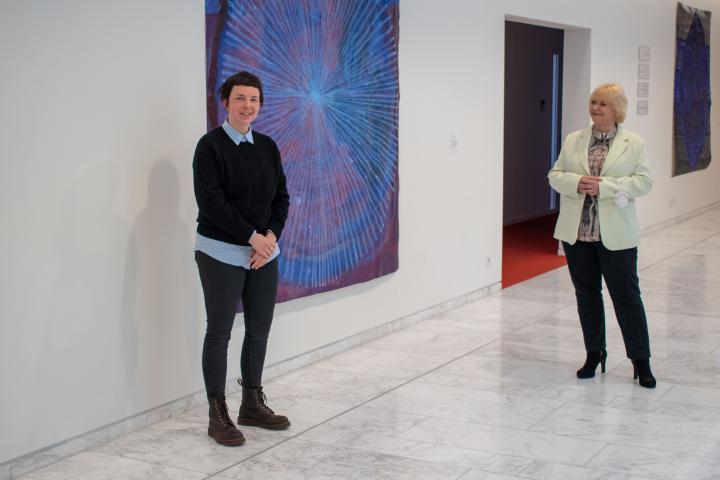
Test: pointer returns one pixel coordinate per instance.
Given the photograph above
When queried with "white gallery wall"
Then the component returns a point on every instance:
(101, 312)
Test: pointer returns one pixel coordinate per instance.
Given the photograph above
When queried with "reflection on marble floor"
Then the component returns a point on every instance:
(485, 391)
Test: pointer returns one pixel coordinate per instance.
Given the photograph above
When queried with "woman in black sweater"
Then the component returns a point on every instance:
(243, 204)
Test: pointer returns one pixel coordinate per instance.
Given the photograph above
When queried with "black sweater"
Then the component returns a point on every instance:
(239, 188)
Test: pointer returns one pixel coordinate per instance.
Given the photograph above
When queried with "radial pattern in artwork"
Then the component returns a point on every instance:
(329, 71)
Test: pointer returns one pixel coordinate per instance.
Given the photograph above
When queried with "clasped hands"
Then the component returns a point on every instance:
(263, 247)
(589, 185)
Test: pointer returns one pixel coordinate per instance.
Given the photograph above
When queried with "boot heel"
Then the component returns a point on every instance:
(591, 363)
(643, 374)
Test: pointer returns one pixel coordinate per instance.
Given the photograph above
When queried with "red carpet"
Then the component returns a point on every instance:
(529, 249)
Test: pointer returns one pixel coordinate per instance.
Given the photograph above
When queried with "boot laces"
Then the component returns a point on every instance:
(262, 401)
(222, 411)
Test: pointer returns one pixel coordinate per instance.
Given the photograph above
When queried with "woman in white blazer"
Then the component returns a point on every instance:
(600, 172)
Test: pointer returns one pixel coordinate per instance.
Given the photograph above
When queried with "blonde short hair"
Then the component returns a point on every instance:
(614, 95)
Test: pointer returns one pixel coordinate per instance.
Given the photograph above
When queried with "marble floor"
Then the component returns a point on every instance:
(485, 391)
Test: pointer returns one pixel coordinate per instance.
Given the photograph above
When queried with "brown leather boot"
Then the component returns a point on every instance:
(255, 413)
(221, 428)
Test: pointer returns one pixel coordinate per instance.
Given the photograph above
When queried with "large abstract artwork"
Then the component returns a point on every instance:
(691, 121)
(330, 78)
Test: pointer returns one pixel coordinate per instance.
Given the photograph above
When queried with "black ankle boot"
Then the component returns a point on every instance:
(221, 428)
(591, 363)
(641, 371)
(255, 413)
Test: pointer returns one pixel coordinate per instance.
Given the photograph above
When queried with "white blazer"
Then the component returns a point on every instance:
(625, 176)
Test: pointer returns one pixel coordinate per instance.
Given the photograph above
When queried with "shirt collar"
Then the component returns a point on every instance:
(236, 136)
(605, 135)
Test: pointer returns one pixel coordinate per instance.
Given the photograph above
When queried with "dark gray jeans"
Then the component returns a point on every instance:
(225, 287)
(589, 263)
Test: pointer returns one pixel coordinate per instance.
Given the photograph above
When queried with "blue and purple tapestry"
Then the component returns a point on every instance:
(691, 119)
(330, 79)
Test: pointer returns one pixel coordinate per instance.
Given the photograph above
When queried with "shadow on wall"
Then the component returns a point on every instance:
(83, 306)
(161, 326)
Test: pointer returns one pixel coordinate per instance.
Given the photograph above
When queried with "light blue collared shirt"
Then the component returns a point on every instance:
(236, 136)
(237, 255)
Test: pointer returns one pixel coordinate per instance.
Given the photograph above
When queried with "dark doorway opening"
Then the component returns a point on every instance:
(532, 125)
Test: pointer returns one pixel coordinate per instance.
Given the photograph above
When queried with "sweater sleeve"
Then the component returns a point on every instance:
(281, 201)
(210, 196)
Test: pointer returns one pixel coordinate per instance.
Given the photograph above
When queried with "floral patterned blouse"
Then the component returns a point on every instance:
(600, 142)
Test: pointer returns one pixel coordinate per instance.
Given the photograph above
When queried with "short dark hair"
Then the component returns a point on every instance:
(241, 78)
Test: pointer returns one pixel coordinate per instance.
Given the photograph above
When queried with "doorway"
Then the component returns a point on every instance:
(533, 130)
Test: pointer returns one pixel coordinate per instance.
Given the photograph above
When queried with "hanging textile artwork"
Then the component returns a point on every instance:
(330, 78)
(691, 118)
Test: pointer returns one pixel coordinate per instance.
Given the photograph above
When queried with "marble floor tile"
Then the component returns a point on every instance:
(695, 396)
(656, 463)
(687, 358)
(480, 364)
(494, 325)
(436, 377)
(298, 459)
(484, 391)
(418, 362)
(421, 341)
(692, 326)
(542, 288)
(73, 466)
(482, 328)
(483, 475)
(303, 412)
(664, 345)
(659, 322)
(190, 450)
(470, 405)
(303, 416)
(497, 304)
(339, 387)
(506, 441)
(568, 356)
(697, 374)
(545, 334)
(641, 429)
(608, 385)
(129, 469)
(362, 437)
(545, 471)
(365, 419)
(476, 459)
(376, 430)
(572, 392)
(667, 297)
(685, 407)
(399, 374)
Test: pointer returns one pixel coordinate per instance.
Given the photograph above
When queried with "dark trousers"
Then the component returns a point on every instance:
(588, 263)
(224, 287)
